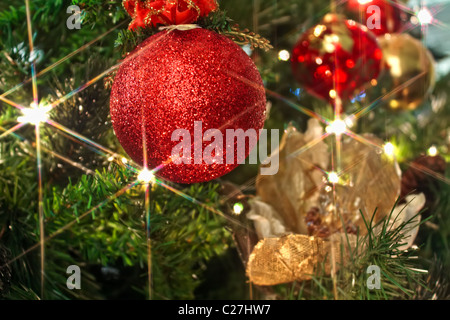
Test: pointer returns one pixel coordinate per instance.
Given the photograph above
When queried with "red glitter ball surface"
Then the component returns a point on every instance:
(391, 16)
(339, 55)
(174, 79)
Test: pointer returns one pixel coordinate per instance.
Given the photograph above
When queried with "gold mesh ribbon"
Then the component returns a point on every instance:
(294, 257)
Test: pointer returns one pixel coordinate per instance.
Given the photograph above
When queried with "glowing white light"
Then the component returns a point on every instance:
(362, 2)
(238, 208)
(337, 127)
(424, 16)
(350, 121)
(333, 94)
(389, 149)
(333, 177)
(284, 55)
(124, 160)
(146, 176)
(433, 151)
(110, 159)
(34, 114)
(319, 29)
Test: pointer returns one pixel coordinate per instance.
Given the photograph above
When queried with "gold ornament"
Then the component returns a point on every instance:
(409, 75)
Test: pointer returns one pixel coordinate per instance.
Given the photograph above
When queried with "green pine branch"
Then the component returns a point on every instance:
(184, 237)
(400, 271)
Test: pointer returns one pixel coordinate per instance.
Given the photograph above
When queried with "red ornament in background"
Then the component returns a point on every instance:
(336, 59)
(385, 17)
(150, 13)
(176, 78)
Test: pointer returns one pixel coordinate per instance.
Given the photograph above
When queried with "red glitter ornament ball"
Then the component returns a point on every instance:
(379, 16)
(176, 86)
(336, 59)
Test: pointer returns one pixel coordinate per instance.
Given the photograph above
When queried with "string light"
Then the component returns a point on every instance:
(332, 94)
(284, 55)
(34, 115)
(238, 208)
(146, 176)
(350, 121)
(333, 177)
(433, 151)
(337, 127)
(319, 29)
(389, 149)
(424, 16)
